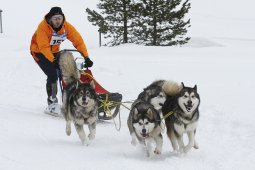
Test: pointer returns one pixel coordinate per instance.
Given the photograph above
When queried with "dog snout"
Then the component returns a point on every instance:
(144, 131)
(189, 102)
(83, 98)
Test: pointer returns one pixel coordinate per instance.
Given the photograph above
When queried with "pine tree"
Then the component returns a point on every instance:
(113, 20)
(160, 22)
(97, 19)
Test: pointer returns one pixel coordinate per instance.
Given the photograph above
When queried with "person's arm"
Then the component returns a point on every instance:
(43, 43)
(74, 36)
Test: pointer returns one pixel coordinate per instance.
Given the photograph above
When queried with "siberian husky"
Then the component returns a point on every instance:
(183, 118)
(79, 100)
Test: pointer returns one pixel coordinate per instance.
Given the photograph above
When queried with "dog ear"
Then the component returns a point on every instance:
(183, 85)
(195, 87)
(147, 94)
(135, 114)
(92, 84)
(150, 113)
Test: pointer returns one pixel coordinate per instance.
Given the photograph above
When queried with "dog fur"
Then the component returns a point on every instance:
(184, 118)
(80, 104)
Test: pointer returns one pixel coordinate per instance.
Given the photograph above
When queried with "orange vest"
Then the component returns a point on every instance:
(46, 41)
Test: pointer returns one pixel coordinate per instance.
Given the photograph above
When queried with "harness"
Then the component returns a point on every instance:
(184, 120)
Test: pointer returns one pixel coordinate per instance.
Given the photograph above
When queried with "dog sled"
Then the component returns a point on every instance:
(109, 103)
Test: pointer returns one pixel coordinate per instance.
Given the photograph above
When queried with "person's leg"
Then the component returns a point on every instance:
(49, 69)
(52, 90)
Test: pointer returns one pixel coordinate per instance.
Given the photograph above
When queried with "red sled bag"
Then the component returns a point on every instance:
(104, 96)
(87, 77)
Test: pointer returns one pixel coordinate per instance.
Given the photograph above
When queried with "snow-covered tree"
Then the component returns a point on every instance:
(149, 22)
(112, 20)
(160, 22)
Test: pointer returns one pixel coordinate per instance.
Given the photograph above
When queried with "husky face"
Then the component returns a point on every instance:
(188, 100)
(158, 101)
(153, 95)
(85, 95)
(143, 122)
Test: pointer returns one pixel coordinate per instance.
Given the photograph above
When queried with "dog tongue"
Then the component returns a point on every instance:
(144, 135)
(188, 107)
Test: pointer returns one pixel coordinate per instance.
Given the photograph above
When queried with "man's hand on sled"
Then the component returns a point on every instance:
(88, 62)
(54, 62)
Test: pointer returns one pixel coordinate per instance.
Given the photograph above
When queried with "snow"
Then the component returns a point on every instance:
(219, 59)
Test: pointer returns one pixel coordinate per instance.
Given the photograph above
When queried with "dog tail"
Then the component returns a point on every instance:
(171, 88)
(68, 68)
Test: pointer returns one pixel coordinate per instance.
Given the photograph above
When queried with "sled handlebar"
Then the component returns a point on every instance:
(73, 50)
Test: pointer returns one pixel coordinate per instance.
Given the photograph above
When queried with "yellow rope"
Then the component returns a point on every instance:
(164, 118)
(168, 114)
(107, 104)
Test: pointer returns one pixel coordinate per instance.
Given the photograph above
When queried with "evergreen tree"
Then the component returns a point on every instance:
(97, 20)
(160, 22)
(113, 22)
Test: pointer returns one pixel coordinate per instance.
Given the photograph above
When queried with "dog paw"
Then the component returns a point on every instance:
(180, 150)
(157, 151)
(91, 136)
(196, 146)
(85, 142)
(68, 130)
(186, 149)
(175, 151)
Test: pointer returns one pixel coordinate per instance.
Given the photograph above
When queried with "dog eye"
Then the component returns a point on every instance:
(147, 123)
(185, 96)
(140, 123)
(192, 96)
(87, 93)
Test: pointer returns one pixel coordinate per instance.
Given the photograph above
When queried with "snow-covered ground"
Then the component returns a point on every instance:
(219, 59)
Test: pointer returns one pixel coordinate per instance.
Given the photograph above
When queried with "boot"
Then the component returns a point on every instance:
(53, 106)
(52, 90)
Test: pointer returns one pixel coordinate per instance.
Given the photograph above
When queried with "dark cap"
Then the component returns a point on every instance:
(55, 11)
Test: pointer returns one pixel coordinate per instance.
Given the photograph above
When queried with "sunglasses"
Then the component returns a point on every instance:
(57, 17)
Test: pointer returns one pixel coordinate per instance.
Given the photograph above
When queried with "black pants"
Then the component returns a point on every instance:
(51, 70)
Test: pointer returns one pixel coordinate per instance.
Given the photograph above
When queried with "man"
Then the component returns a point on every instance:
(45, 44)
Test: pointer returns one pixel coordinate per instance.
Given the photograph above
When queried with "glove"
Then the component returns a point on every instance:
(55, 61)
(88, 62)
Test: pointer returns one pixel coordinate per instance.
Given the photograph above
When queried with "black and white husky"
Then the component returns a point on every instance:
(142, 125)
(154, 95)
(79, 100)
(182, 114)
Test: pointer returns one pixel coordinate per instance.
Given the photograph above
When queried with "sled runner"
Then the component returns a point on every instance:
(53, 110)
(108, 102)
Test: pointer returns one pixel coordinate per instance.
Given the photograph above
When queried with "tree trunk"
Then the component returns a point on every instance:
(125, 39)
(154, 24)
(100, 39)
